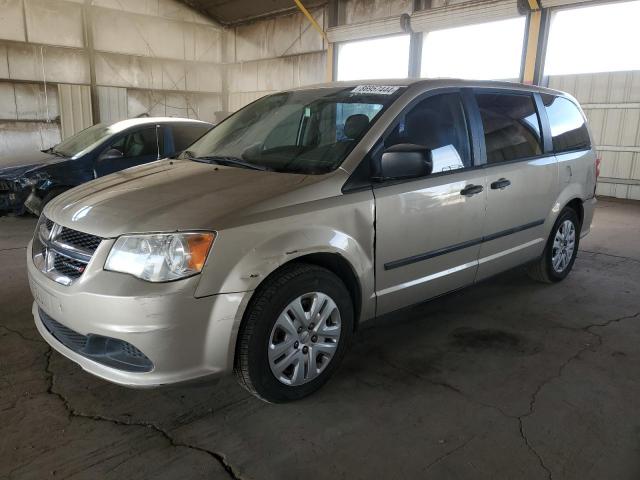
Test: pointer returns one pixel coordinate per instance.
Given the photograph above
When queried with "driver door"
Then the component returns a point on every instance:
(134, 147)
(429, 230)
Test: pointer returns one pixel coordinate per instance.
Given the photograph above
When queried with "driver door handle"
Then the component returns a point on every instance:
(500, 184)
(471, 190)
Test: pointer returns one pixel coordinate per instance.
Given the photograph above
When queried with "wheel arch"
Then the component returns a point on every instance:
(576, 205)
(332, 261)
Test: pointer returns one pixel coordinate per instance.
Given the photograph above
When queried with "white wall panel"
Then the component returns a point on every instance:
(12, 20)
(359, 11)
(27, 137)
(112, 102)
(75, 108)
(370, 29)
(54, 22)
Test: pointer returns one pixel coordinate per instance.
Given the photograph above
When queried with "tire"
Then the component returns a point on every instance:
(543, 269)
(270, 325)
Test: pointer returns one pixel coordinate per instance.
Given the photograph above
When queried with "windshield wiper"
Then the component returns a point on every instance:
(227, 161)
(54, 152)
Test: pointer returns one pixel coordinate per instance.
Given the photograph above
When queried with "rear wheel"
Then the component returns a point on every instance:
(561, 249)
(296, 331)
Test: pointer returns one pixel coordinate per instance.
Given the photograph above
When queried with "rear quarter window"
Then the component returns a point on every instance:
(568, 127)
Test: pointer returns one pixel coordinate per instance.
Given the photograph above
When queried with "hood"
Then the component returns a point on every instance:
(14, 166)
(171, 195)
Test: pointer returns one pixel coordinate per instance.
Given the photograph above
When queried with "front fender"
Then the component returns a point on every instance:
(242, 257)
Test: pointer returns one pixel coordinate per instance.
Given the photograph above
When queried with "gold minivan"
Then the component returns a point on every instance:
(262, 247)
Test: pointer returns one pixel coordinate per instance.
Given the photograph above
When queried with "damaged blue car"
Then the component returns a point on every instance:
(27, 183)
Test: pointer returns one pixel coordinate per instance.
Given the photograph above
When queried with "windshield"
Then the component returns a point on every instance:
(82, 140)
(305, 131)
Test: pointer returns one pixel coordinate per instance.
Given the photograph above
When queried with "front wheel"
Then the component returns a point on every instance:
(296, 331)
(561, 249)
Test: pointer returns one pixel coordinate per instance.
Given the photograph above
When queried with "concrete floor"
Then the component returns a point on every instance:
(507, 379)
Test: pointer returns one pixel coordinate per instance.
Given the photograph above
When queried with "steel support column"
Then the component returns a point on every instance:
(535, 44)
(329, 61)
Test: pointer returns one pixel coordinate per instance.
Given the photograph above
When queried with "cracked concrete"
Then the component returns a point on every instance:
(508, 379)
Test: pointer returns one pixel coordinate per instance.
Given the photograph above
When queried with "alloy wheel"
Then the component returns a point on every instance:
(564, 244)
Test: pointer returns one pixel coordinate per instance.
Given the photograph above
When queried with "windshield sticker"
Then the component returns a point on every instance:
(375, 89)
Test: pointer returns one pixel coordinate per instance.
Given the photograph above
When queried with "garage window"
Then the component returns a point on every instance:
(602, 38)
(487, 51)
(386, 57)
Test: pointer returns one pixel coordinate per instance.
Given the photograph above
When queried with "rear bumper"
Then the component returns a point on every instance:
(185, 338)
(588, 208)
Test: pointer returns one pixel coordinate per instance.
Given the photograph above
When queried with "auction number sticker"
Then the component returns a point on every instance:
(375, 89)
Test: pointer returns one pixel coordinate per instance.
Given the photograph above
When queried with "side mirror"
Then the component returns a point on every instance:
(405, 160)
(111, 154)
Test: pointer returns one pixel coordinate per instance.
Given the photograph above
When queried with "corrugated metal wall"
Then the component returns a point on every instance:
(611, 102)
(75, 108)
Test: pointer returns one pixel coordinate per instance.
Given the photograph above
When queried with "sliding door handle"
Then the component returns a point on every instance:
(500, 184)
(471, 190)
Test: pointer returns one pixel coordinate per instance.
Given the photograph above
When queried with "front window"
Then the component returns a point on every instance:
(81, 141)
(305, 131)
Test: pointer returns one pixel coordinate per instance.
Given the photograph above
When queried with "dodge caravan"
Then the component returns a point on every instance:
(263, 246)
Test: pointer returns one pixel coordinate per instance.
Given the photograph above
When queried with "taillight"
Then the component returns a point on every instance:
(598, 160)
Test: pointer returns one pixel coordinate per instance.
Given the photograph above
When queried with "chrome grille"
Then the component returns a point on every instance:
(62, 253)
(68, 266)
(80, 240)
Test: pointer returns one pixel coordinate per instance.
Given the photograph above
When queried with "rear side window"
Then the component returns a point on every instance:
(511, 126)
(185, 135)
(568, 128)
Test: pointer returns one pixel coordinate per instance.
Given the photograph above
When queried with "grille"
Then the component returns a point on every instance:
(132, 351)
(84, 241)
(105, 350)
(69, 338)
(6, 185)
(68, 267)
(62, 253)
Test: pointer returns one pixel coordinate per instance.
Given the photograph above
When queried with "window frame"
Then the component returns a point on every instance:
(364, 180)
(361, 179)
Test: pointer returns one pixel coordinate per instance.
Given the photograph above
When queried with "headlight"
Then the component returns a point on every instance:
(26, 182)
(160, 257)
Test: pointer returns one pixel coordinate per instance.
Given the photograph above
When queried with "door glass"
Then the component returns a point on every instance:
(185, 134)
(139, 143)
(568, 128)
(438, 123)
(511, 126)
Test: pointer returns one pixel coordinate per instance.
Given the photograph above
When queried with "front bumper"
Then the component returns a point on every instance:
(184, 337)
(12, 202)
